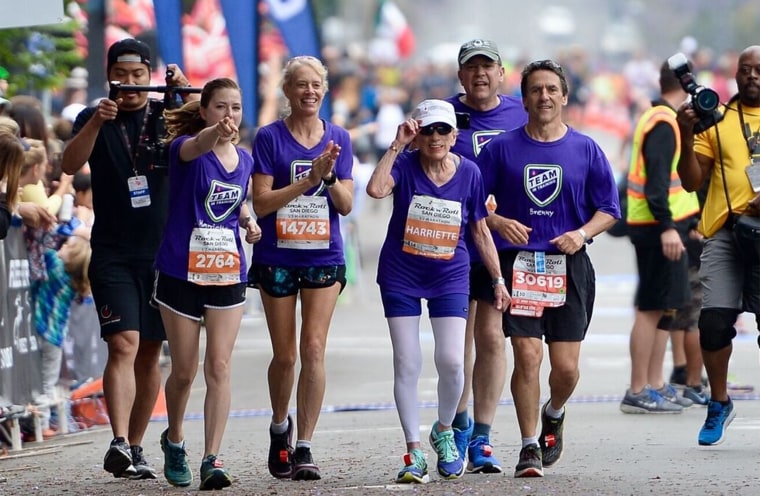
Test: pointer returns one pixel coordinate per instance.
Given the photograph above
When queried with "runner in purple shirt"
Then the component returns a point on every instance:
(301, 186)
(437, 195)
(489, 114)
(554, 192)
(200, 268)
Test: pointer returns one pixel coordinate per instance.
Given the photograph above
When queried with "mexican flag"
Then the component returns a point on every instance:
(391, 26)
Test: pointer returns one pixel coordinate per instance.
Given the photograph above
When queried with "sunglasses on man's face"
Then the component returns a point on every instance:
(442, 129)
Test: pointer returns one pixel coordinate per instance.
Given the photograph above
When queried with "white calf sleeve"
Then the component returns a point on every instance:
(407, 366)
(449, 361)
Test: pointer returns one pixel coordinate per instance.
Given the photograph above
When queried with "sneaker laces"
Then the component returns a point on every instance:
(480, 442)
(656, 396)
(214, 462)
(714, 416)
(137, 455)
(418, 459)
(177, 457)
(445, 446)
(530, 453)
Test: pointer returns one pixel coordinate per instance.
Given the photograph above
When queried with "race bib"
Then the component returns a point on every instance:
(304, 224)
(538, 281)
(432, 227)
(214, 257)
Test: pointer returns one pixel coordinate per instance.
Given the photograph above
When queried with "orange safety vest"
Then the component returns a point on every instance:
(682, 203)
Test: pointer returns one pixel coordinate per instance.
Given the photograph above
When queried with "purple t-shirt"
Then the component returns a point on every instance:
(484, 126)
(276, 153)
(421, 206)
(550, 187)
(203, 198)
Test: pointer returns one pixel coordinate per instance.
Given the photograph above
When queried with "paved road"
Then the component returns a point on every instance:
(359, 441)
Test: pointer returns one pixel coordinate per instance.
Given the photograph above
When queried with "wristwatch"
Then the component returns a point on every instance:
(330, 180)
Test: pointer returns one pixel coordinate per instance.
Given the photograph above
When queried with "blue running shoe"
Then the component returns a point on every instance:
(719, 417)
(415, 468)
(480, 456)
(176, 469)
(462, 438)
(450, 465)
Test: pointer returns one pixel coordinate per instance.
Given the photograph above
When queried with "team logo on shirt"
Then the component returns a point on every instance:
(222, 199)
(482, 138)
(299, 169)
(543, 183)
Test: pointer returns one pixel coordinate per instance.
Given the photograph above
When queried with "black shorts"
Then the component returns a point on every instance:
(286, 281)
(663, 283)
(122, 291)
(566, 323)
(191, 300)
(688, 316)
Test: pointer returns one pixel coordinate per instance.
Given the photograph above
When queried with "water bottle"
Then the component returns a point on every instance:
(67, 208)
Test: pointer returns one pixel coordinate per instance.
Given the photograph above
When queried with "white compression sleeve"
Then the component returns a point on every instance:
(407, 366)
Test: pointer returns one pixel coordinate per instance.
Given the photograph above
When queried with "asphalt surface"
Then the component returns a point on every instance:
(359, 442)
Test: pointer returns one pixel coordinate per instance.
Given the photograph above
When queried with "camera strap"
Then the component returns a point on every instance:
(128, 142)
(752, 139)
(731, 220)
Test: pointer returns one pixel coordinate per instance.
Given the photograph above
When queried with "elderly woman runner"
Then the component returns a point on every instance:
(436, 195)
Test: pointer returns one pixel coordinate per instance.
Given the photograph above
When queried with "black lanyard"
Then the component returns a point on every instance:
(751, 139)
(127, 142)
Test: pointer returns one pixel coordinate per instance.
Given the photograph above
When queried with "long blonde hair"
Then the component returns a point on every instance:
(78, 264)
(35, 155)
(11, 162)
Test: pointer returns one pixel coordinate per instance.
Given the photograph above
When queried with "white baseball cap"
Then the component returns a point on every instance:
(433, 111)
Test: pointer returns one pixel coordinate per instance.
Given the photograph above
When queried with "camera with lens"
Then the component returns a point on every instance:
(152, 147)
(463, 120)
(704, 101)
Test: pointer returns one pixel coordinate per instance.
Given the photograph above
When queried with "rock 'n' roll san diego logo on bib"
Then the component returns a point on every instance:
(543, 183)
(222, 199)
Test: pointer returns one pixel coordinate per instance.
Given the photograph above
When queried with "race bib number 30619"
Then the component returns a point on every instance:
(538, 281)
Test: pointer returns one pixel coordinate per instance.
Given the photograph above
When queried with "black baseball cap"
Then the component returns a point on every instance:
(128, 50)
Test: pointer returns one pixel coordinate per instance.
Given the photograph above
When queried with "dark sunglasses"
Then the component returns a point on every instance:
(442, 129)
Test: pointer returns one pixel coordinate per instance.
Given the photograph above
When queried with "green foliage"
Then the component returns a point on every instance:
(39, 57)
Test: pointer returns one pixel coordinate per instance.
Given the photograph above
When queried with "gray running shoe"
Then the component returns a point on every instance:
(669, 393)
(697, 394)
(647, 401)
(144, 471)
(530, 464)
(118, 459)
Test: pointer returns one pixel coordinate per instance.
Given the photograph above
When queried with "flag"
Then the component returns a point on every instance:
(169, 29)
(296, 22)
(243, 29)
(391, 26)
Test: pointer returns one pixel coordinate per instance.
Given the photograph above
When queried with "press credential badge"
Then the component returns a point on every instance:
(138, 191)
